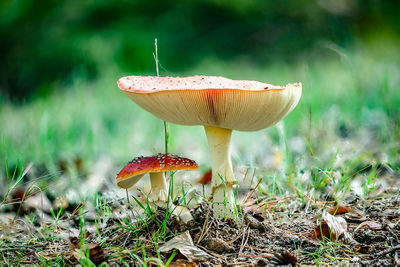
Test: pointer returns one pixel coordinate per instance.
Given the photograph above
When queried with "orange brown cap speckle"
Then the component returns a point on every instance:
(134, 170)
(206, 178)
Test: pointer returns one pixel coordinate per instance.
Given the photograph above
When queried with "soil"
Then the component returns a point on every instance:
(267, 232)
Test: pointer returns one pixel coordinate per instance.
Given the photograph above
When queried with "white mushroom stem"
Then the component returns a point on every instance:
(159, 189)
(223, 179)
(159, 196)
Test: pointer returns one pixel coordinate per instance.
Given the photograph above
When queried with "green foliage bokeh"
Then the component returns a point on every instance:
(46, 43)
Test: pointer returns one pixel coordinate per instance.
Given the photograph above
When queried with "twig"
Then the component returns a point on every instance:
(155, 55)
(256, 256)
(252, 192)
(129, 203)
(259, 249)
(389, 250)
(393, 233)
(252, 178)
(270, 202)
(211, 252)
(237, 264)
(126, 239)
(80, 205)
(166, 128)
(245, 175)
(202, 234)
(237, 237)
(244, 241)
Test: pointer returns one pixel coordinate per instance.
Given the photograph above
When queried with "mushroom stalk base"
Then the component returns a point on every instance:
(159, 190)
(159, 196)
(222, 174)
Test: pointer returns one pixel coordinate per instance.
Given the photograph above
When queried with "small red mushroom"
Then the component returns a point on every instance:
(155, 166)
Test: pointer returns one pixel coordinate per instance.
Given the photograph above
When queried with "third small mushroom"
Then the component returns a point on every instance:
(220, 105)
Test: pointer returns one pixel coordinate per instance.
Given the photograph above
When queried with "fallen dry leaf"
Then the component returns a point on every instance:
(81, 249)
(96, 253)
(331, 227)
(337, 210)
(217, 245)
(321, 230)
(184, 244)
(254, 223)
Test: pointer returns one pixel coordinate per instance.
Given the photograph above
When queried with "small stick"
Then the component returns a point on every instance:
(156, 57)
(252, 178)
(166, 128)
(256, 256)
(80, 205)
(252, 192)
(204, 227)
(245, 175)
(212, 253)
(129, 203)
(244, 241)
(237, 237)
(389, 250)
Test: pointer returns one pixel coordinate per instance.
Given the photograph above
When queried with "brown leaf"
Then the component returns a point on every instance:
(217, 245)
(96, 253)
(184, 244)
(321, 230)
(254, 223)
(331, 227)
(337, 210)
(79, 250)
(16, 199)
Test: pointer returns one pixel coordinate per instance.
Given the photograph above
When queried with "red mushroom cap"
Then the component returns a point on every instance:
(139, 166)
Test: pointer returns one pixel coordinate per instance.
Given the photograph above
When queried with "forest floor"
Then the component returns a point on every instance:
(268, 231)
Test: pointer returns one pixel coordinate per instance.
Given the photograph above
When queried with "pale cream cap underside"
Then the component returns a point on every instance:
(212, 100)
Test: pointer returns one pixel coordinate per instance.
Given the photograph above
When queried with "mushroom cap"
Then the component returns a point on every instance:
(212, 100)
(134, 170)
(206, 178)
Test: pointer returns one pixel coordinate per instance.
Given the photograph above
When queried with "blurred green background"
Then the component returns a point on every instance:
(60, 61)
(50, 43)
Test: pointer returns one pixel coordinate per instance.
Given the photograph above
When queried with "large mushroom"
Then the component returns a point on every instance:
(220, 105)
(155, 166)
